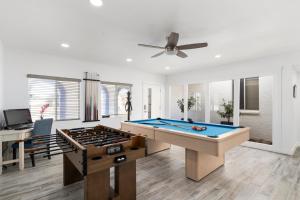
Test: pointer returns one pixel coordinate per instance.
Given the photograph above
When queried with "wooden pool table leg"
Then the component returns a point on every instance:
(198, 165)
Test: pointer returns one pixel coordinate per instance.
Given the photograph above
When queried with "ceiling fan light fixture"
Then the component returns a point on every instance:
(97, 3)
(167, 67)
(172, 48)
(129, 60)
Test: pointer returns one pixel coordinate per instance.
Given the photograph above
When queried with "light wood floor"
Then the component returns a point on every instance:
(247, 174)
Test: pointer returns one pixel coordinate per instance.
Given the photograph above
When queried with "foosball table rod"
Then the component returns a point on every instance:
(104, 142)
(98, 139)
(55, 154)
(45, 136)
(53, 150)
(49, 140)
(55, 145)
(53, 142)
(93, 136)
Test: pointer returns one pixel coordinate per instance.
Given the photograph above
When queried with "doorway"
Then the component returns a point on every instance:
(151, 101)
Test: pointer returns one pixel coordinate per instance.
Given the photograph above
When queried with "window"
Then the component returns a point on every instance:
(249, 94)
(198, 103)
(114, 98)
(197, 91)
(220, 93)
(59, 96)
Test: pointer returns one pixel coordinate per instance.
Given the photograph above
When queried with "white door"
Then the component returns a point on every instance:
(151, 101)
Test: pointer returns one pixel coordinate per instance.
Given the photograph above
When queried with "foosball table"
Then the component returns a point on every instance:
(88, 155)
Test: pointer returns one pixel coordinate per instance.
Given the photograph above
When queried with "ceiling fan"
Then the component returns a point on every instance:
(171, 47)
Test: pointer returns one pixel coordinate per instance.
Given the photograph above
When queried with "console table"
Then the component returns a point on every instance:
(14, 135)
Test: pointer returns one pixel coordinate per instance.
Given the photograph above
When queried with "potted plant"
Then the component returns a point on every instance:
(43, 109)
(191, 103)
(227, 112)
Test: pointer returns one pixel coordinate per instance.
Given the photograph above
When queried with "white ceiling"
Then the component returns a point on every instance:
(237, 29)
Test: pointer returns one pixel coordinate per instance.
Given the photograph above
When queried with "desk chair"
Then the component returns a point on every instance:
(41, 127)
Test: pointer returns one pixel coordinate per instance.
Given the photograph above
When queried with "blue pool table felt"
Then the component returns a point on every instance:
(213, 130)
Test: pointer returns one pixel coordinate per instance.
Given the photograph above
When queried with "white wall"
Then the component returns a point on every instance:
(283, 139)
(294, 107)
(289, 121)
(177, 93)
(18, 64)
(1, 82)
(297, 108)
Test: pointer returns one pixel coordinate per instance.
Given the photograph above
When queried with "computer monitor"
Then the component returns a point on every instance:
(17, 117)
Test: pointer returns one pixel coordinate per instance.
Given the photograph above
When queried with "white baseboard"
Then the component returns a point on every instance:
(270, 148)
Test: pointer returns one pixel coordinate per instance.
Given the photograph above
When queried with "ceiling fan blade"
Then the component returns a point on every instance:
(151, 46)
(173, 39)
(156, 55)
(192, 46)
(181, 54)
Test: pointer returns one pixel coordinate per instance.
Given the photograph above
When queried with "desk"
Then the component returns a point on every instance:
(14, 135)
(204, 150)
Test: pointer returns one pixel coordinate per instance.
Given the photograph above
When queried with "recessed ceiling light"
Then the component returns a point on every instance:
(167, 67)
(128, 59)
(218, 56)
(65, 45)
(96, 3)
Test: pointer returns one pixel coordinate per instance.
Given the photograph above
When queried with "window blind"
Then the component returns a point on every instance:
(113, 98)
(61, 96)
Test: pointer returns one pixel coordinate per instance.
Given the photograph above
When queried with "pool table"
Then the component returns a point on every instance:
(204, 150)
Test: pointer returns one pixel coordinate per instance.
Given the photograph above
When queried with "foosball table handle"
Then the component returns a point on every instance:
(120, 159)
